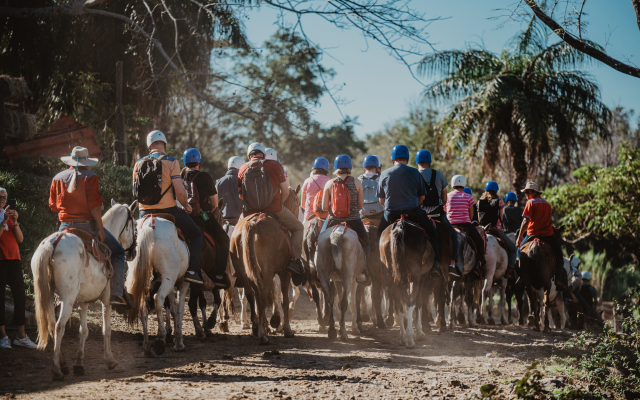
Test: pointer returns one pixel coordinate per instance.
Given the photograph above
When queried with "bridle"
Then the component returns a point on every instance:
(130, 252)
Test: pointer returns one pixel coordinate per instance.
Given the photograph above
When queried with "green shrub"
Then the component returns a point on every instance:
(611, 282)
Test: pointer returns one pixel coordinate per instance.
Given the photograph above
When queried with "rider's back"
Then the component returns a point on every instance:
(539, 213)
(312, 185)
(205, 185)
(458, 203)
(227, 188)
(400, 186)
(276, 175)
(170, 170)
(511, 218)
(75, 206)
(439, 184)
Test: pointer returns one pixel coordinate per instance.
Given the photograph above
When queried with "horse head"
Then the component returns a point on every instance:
(292, 201)
(216, 213)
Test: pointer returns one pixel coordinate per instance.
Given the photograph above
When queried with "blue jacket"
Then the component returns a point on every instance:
(227, 188)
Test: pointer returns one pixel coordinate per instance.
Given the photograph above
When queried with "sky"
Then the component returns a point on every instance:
(379, 89)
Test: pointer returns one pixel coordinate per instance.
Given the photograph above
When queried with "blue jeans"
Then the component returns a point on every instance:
(525, 238)
(117, 252)
(418, 215)
(190, 230)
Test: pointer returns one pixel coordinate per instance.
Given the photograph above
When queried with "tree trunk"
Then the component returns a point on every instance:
(120, 142)
(518, 159)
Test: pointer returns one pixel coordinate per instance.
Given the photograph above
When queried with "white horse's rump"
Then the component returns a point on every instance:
(159, 250)
(496, 268)
(76, 277)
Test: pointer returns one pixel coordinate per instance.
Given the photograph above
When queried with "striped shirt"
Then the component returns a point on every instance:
(458, 204)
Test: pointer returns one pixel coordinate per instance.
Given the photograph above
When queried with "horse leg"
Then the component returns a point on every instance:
(491, 303)
(316, 299)
(391, 311)
(193, 310)
(78, 367)
(106, 332)
(425, 323)
(179, 313)
(251, 301)
(213, 318)
(452, 305)
(535, 307)
(169, 312)
(162, 293)
(501, 303)
(361, 292)
(286, 326)
(356, 313)
(443, 287)
(60, 367)
(245, 320)
(376, 299)
(563, 315)
(261, 305)
(295, 292)
(344, 304)
(223, 312)
(276, 317)
(329, 295)
(399, 311)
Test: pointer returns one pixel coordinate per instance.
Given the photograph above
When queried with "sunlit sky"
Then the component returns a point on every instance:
(379, 89)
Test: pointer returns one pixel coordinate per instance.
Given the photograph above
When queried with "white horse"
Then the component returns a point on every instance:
(76, 277)
(495, 270)
(161, 250)
(340, 258)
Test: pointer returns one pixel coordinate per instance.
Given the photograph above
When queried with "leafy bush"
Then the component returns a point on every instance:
(611, 282)
(29, 183)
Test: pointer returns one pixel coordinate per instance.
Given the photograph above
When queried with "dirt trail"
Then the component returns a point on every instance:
(310, 366)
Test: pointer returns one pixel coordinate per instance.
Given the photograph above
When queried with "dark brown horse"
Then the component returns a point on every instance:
(408, 255)
(259, 251)
(537, 268)
(438, 288)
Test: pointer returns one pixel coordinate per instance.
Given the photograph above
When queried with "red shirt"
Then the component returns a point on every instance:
(75, 206)
(538, 211)
(8, 244)
(276, 174)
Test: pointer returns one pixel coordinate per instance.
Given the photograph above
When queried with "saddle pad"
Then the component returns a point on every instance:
(375, 223)
(87, 239)
(168, 217)
(83, 235)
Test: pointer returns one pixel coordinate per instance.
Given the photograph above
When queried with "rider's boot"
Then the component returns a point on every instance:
(193, 277)
(561, 277)
(436, 271)
(296, 268)
(363, 278)
(221, 281)
(454, 271)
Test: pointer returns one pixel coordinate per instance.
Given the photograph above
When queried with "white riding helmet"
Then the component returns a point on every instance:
(458, 180)
(156, 136)
(255, 146)
(271, 154)
(575, 262)
(586, 275)
(235, 162)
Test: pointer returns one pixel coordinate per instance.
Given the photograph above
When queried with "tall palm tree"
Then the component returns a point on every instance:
(532, 98)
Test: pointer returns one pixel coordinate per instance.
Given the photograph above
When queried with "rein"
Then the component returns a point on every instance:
(130, 252)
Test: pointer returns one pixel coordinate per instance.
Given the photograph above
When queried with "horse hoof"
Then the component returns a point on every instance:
(178, 349)
(224, 327)
(442, 329)
(264, 340)
(344, 338)
(58, 377)
(275, 321)
(289, 334)
(381, 325)
(111, 365)
(333, 334)
(159, 346)
(65, 370)
(211, 322)
(536, 329)
(365, 318)
(546, 330)
(78, 370)
(491, 321)
(390, 321)
(254, 330)
(411, 345)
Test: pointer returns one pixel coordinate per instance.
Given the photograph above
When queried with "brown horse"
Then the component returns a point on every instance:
(407, 253)
(259, 251)
(537, 268)
(439, 288)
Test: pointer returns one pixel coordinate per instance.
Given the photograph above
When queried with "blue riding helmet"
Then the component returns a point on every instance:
(279, 160)
(400, 151)
(370, 161)
(342, 161)
(191, 156)
(321, 163)
(510, 196)
(492, 185)
(423, 156)
(467, 190)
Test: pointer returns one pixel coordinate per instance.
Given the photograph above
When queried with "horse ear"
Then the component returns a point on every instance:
(221, 203)
(113, 202)
(297, 189)
(133, 205)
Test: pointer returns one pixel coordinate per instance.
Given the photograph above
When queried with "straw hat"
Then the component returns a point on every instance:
(531, 186)
(79, 157)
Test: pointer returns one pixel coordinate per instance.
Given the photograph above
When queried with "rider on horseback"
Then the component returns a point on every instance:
(436, 186)
(314, 184)
(402, 190)
(280, 191)
(342, 169)
(227, 188)
(370, 180)
(490, 208)
(208, 201)
(170, 179)
(474, 217)
(75, 196)
(537, 222)
(460, 209)
(511, 214)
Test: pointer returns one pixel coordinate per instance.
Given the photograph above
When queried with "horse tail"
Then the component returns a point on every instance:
(140, 271)
(44, 290)
(249, 253)
(398, 253)
(336, 238)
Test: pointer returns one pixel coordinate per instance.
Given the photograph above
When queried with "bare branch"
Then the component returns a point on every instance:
(636, 7)
(580, 20)
(78, 7)
(580, 45)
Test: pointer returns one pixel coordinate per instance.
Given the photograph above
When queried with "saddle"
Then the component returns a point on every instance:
(345, 229)
(482, 233)
(500, 241)
(98, 250)
(257, 217)
(370, 223)
(168, 217)
(540, 243)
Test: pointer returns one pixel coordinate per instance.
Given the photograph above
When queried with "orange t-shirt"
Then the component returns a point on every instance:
(8, 244)
(170, 170)
(538, 211)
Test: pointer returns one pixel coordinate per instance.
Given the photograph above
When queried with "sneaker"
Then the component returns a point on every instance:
(25, 342)
(5, 343)
(221, 281)
(454, 272)
(193, 277)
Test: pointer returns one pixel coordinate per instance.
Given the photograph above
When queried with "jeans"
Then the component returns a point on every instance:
(295, 227)
(11, 274)
(511, 248)
(221, 238)
(454, 234)
(525, 239)
(420, 216)
(117, 252)
(190, 230)
(360, 230)
(477, 240)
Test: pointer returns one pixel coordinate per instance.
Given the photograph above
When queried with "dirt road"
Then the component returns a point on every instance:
(310, 366)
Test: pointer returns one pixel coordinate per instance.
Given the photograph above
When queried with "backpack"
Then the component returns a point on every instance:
(317, 205)
(147, 181)
(371, 203)
(193, 197)
(257, 189)
(489, 211)
(340, 198)
(432, 198)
